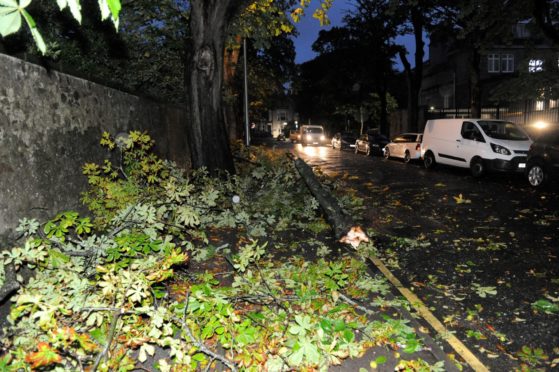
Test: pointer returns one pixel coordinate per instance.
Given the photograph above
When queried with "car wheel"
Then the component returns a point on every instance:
(407, 157)
(429, 160)
(536, 174)
(367, 150)
(477, 168)
(386, 153)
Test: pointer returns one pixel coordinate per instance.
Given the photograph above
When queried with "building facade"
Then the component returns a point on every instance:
(446, 81)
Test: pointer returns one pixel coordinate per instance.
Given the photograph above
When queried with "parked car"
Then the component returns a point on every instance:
(370, 143)
(312, 135)
(406, 146)
(543, 159)
(477, 144)
(343, 140)
(294, 135)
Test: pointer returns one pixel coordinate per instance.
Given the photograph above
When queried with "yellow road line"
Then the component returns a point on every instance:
(422, 310)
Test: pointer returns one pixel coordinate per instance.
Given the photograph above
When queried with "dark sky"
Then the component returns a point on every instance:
(309, 27)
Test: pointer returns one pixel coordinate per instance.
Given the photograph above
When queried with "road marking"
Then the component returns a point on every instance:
(422, 310)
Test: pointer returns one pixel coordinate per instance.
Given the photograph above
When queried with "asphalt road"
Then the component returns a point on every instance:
(481, 253)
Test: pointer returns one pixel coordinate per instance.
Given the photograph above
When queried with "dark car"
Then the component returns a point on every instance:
(543, 159)
(343, 140)
(371, 143)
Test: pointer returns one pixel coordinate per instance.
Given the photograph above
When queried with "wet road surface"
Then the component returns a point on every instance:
(481, 253)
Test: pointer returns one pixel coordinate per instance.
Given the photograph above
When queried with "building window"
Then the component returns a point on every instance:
(535, 65)
(282, 115)
(552, 103)
(521, 31)
(507, 63)
(540, 105)
(493, 63)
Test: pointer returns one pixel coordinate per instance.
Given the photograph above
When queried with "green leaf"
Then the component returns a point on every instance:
(115, 7)
(75, 9)
(381, 359)
(10, 23)
(98, 335)
(546, 307)
(348, 335)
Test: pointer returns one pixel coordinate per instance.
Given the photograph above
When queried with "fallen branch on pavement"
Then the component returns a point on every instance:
(344, 228)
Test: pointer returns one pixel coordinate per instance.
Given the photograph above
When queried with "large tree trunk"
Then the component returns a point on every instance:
(209, 144)
(230, 64)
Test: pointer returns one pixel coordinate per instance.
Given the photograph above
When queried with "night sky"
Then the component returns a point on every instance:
(309, 28)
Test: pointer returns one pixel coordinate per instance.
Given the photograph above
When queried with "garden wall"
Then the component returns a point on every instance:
(51, 124)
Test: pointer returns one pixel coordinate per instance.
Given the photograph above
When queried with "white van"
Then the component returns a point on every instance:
(478, 144)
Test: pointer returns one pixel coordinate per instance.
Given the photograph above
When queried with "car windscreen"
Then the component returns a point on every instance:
(502, 130)
(313, 130)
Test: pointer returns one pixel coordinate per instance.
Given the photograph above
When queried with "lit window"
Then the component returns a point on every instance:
(507, 63)
(552, 103)
(540, 105)
(493, 63)
(535, 65)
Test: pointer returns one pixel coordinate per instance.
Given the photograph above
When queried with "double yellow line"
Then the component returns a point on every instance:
(422, 310)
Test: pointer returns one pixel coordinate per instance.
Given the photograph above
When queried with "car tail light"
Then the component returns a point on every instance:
(418, 147)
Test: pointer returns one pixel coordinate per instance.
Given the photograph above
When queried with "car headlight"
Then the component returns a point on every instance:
(500, 149)
(309, 137)
(322, 138)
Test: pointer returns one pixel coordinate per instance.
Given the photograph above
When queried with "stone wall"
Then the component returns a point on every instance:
(51, 124)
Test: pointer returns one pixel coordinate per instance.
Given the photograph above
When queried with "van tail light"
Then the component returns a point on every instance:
(418, 147)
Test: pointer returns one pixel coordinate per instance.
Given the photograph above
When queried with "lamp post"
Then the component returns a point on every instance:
(357, 88)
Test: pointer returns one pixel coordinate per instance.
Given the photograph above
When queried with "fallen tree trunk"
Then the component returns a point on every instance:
(344, 228)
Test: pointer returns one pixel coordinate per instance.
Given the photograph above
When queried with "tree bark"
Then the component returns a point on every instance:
(340, 222)
(208, 138)
(344, 228)
(230, 64)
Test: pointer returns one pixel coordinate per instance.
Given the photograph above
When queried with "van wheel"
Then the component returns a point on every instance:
(429, 160)
(536, 174)
(407, 157)
(477, 168)
(386, 153)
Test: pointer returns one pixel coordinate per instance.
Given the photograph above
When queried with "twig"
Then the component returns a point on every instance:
(246, 160)
(231, 365)
(116, 315)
